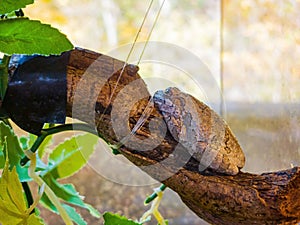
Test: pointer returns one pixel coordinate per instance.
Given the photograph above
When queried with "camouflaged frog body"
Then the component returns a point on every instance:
(201, 131)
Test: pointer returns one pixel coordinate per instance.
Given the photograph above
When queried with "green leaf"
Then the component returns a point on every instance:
(24, 36)
(70, 156)
(27, 142)
(12, 199)
(45, 201)
(115, 219)
(76, 217)
(24, 143)
(7, 6)
(94, 212)
(12, 202)
(15, 152)
(35, 220)
(43, 148)
(48, 141)
(68, 193)
(23, 170)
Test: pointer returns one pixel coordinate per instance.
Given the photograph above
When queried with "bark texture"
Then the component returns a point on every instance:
(269, 198)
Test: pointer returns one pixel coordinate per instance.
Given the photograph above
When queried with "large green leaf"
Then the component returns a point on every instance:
(24, 36)
(70, 156)
(7, 6)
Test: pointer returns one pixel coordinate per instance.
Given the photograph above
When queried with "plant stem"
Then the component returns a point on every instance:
(28, 194)
(154, 207)
(57, 129)
(51, 195)
(154, 194)
(4, 75)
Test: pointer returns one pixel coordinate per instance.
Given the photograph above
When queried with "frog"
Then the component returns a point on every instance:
(201, 131)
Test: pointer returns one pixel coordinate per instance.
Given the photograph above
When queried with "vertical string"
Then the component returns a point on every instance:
(130, 51)
(147, 111)
(149, 106)
(150, 33)
(126, 60)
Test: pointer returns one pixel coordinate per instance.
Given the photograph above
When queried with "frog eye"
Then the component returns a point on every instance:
(167, 91)
(171, 90)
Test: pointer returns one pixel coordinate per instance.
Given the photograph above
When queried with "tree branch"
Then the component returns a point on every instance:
(269, 198)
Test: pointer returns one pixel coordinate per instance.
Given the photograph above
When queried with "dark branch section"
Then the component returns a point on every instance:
(269, 198)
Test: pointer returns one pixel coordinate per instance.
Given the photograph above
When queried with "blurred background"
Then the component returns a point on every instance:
(252, 50)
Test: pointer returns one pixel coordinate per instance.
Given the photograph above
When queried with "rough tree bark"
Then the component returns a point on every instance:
(269, 198)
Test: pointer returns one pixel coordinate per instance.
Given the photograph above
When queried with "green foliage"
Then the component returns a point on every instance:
(13, 206)
(24, 36)
(70, 156)
(15, 152)
(74, 215)
(115, 219)
(45, 144)
(7, 6)
(3, 76)
(67, 193)
(66, 159)
(27, 141)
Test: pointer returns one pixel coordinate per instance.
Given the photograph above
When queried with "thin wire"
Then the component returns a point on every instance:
(150, 104)
(147, 111)
(130, 52)
(152, 28)
(126, 61)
